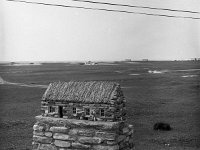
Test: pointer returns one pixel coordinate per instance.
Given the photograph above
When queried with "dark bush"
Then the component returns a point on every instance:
(162, 126)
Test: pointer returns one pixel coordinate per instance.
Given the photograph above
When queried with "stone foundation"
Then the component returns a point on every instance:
(66, 134)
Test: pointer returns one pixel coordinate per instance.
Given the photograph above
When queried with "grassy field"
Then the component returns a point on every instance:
(155, 91)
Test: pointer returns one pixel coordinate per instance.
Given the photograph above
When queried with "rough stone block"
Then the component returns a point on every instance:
(44, 107)
(80, 146)
(44, 102)
(38, 133)
(59, 129)
(102, 147)
(125, 130)
(130, 126)
(47, 147)
(48, 134)
(38, 128)
(86, 132)
(111, 142)
(42, 139)
(64, 137)
(90, 140)
(106, 135)
(60, 143)
(73, 131)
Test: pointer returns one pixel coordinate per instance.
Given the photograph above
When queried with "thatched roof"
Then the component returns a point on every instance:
(82, 92)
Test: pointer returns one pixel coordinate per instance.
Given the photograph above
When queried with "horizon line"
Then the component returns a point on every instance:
(125, 60)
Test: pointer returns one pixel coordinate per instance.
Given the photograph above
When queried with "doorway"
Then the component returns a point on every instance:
(60, 111)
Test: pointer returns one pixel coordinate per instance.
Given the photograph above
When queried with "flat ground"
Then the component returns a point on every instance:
(170, 94)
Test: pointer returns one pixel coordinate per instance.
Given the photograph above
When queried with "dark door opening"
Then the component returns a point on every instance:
(60, 111)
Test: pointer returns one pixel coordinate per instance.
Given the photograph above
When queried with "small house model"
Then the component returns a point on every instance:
(93, 101)
(83, 115)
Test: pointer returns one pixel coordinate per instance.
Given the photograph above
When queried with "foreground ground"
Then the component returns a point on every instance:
(155, 91)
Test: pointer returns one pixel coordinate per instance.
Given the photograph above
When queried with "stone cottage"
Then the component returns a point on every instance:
(82, 115)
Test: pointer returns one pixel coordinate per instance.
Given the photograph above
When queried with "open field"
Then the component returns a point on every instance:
(155, 91)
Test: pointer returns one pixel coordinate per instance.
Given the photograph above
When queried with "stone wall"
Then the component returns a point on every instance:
(68, 134)
(113, 112)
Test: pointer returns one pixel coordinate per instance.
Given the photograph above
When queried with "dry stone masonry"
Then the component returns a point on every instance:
(82, 115)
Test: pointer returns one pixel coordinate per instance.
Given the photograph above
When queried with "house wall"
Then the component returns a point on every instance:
(60, 134)
(112, 112)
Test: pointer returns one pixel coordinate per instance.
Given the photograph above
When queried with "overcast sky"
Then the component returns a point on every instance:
(31, 32)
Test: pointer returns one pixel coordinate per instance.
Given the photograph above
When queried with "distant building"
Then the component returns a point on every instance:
(90, 63)
(145, 60)
(195, 59)
(128, 60)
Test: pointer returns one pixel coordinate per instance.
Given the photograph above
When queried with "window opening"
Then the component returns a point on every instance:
(60, 111)
(87, 111)
(51, 109)
(74, 110)
(102, 112)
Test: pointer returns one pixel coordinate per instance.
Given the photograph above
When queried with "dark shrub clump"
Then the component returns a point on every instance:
(162, 126)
